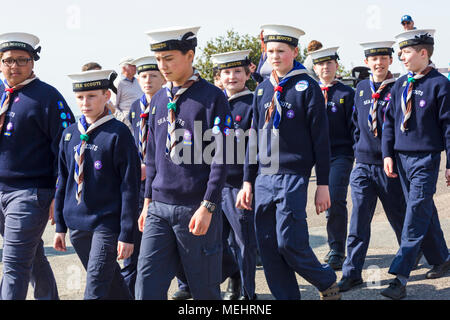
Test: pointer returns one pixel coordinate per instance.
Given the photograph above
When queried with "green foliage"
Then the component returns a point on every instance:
(232, 41)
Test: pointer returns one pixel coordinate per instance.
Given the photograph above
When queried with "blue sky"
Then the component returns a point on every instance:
(74, 32)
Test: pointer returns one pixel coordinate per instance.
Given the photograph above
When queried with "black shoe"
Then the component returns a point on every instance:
(438, 270)
(336, 260)
(325, 259)
(416, 264)
(233, 290)
(347, 283)
(245, 297)
(181, 295)
(395, 291)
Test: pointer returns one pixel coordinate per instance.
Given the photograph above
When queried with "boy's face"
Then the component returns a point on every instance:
(414, 60)
(151, 81)
(233, 79)
(13, 72)
(379, 65)
(326, 70)
(92, 103)
(281, 56)
(173, 64)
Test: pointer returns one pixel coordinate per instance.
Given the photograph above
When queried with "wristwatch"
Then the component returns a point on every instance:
(211, 207)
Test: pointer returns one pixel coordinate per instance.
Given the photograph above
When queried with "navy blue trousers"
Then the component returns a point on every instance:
(98, 254)
(243, 239)
(282, 236)
(369, 183)
(129, 270)
(23, 220)
(337, 214)
(422, 230)
(167, 244)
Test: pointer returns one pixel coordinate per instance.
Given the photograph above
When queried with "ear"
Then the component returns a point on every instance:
(108, 94)
(390, 60)
(296, 52)
(366, 62)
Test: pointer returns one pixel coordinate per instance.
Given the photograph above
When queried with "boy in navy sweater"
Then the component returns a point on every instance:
(32, 117)
(288, 111)
(150, 80)
(238, 226)
(181, 216)
(367, 179)
(417, 130)
(339, 100)
(98, 188)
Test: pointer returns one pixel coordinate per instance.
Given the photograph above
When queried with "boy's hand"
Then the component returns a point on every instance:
(322, 199)
(59, 242)
(144, 213)
(244, 197)
(389, 167)
(51, 212)
(143, 173)
(200, 222)
(124, 250)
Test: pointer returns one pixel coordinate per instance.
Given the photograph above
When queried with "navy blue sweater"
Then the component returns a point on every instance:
(187, 183)
(109, 200)
(339, 111)
(429, 124)
(303, 130)
(367, 146)
(241, 110)
(29, 140)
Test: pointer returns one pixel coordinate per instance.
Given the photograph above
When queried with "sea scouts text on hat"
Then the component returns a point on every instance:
(325, 54)
(378, 48)
(415, 37)
(173, 39)
(92, 80)
(281, 33)
(147, 63)
(20, 41)
(231, 59)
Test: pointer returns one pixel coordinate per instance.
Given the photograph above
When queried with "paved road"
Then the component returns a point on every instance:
(70, 275)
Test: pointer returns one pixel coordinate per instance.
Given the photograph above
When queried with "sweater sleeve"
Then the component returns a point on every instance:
(349, 107)
(443, 102)
(58, 117)
(218, 168)
(251, 165)
(318, 124)
(388, 136)
(126, 160)
(150, 165)
(61, 226)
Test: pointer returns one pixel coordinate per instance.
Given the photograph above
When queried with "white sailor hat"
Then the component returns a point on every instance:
(378, 48)
(324, 54)
(147, 63)
(231, 59)
(176, 38)
(415, 37)
(281, 33)
(93, 80)
(20, 41)
(125, 60)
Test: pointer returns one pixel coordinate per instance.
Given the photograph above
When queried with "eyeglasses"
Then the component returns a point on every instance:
(21, 62)
(406, 22)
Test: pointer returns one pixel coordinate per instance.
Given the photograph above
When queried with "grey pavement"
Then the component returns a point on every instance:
(70, 275)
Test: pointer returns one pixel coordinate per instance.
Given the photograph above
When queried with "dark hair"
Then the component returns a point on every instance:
(91, 66)
(428, 47)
